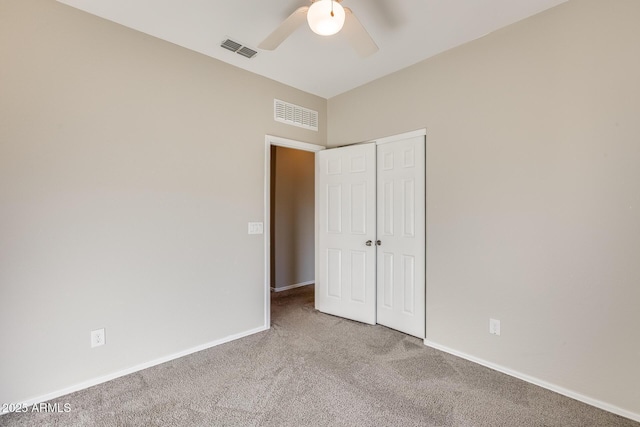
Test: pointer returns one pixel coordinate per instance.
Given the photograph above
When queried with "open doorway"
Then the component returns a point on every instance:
(290, 230)
(292, 218)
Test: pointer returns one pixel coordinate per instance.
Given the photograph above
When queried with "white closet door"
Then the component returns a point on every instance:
(346, 209)
(401, 284)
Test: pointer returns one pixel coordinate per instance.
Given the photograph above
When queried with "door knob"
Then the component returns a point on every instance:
(368, 243)
(378, 242)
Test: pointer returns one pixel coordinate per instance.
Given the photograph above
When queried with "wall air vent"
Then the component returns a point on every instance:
(295, 115)
(238, 48)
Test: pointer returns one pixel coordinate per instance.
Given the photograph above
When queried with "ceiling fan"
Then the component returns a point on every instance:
(325, 17)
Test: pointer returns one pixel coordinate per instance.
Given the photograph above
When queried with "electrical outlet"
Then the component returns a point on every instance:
(494, 327)
(97, 338)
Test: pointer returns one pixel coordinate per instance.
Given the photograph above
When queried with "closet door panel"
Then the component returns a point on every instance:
(401, 235)
(345, 186)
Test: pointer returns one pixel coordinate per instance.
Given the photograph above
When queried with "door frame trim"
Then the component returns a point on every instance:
(270, 140)
(400, 137)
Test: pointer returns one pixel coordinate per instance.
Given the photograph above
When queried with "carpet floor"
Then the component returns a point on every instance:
(312, 369)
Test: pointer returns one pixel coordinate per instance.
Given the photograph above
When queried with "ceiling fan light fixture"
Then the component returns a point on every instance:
(325, 17)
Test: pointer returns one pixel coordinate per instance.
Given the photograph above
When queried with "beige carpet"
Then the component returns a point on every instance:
(318, 370)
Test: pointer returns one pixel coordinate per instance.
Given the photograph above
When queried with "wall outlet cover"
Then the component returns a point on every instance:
(494, 327)
(97, 338)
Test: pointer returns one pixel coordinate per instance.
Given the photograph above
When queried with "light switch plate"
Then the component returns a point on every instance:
(256, 228)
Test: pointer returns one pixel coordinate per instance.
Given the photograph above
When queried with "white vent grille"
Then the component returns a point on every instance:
(295, 115)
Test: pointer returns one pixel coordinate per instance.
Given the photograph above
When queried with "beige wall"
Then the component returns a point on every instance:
(129, 168)
(293, 213)
(533, 192)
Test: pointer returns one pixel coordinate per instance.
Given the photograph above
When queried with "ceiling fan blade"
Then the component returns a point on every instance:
(357, 36)
(285, 29)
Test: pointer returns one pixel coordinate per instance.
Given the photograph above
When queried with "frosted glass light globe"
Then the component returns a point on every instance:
(320, 20)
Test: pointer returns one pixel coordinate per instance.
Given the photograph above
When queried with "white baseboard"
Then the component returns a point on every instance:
(561, 390)
(99, 380)
(297, 285)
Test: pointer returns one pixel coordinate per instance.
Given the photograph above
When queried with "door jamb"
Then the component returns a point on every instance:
(270, 140)
(400, 137)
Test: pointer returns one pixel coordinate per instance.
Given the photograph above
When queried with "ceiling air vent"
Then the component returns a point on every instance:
(238, 48)
(245, 51)
(295, 115)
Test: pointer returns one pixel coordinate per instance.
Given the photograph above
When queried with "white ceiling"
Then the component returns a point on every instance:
(407, 31)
